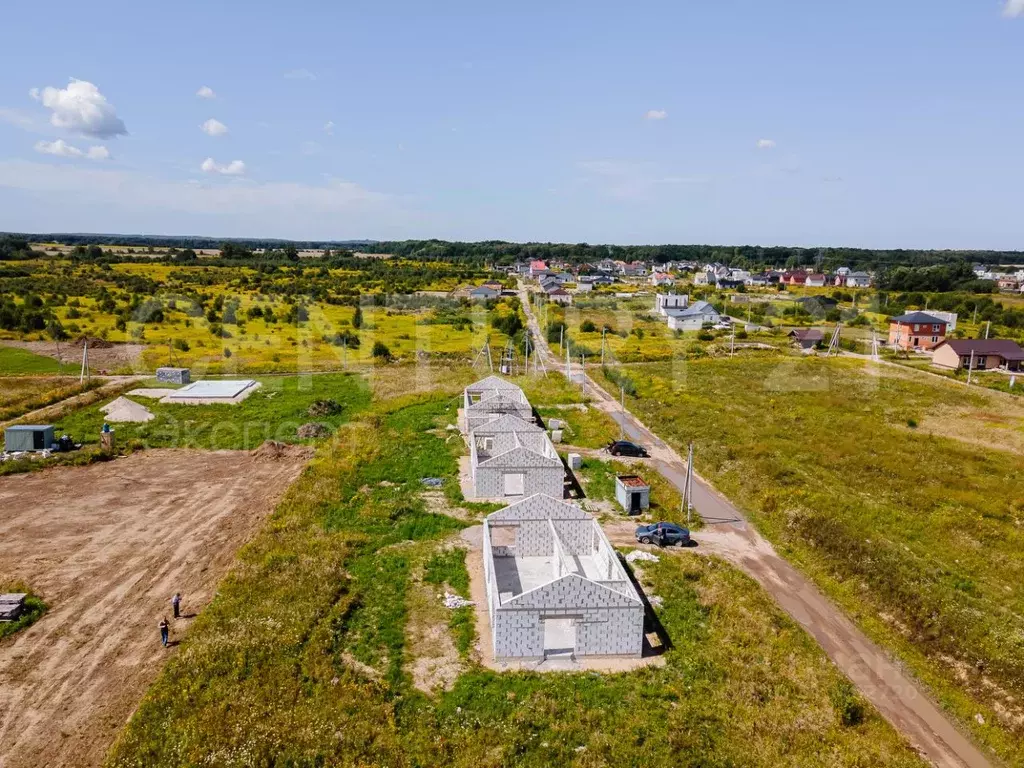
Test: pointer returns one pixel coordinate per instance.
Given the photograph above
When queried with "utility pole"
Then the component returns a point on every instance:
(85, 361)
(583, 372)
(622, 416)
(688, 486)
(988, 325)
(603, 332)
(732, 341)
(970, 368)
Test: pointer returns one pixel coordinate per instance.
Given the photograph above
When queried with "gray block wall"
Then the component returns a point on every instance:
(599, 631)
(518, 634)
(534, 539)
(611, 632)
(174, 375)
(490, 482)
(539, 507)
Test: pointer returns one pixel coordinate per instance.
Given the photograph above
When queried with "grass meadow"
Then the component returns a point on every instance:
(19, 362)
(21, 394)
(307, 654)
(912, 523)
(275, 411)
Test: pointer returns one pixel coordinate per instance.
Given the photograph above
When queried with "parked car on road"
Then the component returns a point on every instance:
(663, 534)
(626, 448)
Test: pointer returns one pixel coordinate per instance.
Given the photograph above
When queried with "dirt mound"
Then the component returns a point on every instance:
(94, 343)
(313, 430)
(324, 408)
(272, 450)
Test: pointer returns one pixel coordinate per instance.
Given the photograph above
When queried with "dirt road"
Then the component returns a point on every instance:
(880, 679)
(107, 546)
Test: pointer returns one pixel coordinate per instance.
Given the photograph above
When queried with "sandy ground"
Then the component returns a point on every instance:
(107, 546)
(896, 695)
(113, 357)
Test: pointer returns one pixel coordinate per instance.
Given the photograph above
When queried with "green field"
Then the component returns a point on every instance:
(902, 496)
(307, 655)
(15, 361)
(273, 412)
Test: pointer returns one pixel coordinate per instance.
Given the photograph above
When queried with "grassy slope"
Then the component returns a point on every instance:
(275, 411)
(16, 361)
(918, 536)
(21, 394)
(265, 677)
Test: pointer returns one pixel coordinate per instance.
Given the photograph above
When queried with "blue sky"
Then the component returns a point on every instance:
(879, 124)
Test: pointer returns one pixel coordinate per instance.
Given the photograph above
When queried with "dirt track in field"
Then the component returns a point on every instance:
(107, 546)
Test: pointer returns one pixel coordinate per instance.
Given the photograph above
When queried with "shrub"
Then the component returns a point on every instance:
(381, 351)
(588, 327)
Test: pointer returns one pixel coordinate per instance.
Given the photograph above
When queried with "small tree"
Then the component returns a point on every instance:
(357, 318)
(381, 351)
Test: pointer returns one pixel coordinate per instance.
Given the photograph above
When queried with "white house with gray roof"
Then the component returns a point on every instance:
(555, 585)
(692, 317)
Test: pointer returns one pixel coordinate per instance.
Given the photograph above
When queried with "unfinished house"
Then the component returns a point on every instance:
(555, 586)
(492, 397)
(510, 459)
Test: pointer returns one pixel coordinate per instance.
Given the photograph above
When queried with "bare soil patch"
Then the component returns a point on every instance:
(107, 545)
(104, 356)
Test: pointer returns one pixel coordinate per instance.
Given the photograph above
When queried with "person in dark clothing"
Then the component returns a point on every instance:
(176, 604)
(165, 630)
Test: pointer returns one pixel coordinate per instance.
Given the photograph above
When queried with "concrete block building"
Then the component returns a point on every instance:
(512, 458)
(555, 586)
(493, 396)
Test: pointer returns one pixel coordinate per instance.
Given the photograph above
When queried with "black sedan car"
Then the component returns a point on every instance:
(663, 534)
(626, 448)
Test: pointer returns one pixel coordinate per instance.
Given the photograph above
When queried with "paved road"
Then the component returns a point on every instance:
(881, 680)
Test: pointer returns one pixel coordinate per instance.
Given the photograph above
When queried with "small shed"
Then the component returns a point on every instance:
(174, 375)
(27, 437)
(633, 493)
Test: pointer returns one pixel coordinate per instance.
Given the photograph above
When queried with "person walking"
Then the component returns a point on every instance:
(176, 604)
(165, 630)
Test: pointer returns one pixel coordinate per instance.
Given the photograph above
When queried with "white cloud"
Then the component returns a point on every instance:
(329, 127)
(766, 143)
(61, 148)
(81, 108)
(299, 74)
(234, 168)
(206, 92)
(1013, 9)
(213, 128)
(655, 114)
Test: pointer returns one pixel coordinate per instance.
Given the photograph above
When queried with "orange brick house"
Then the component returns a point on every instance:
(916, 330)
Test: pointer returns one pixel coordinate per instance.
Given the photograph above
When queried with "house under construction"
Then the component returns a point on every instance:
(511, 457)
(555, 586)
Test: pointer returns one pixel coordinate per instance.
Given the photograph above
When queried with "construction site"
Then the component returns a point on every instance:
(108, 545)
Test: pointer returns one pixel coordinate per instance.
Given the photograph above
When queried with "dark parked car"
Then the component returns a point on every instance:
(626, 448)
(663, 534)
